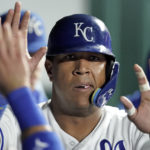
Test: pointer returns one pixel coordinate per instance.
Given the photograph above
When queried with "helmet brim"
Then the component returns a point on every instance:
(100, 49)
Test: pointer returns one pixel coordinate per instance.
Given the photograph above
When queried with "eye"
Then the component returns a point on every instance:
(96, 58)
(69, 57)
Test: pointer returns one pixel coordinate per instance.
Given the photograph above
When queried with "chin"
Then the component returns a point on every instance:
(82, 102)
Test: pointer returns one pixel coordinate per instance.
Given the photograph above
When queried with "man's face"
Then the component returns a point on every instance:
(75, 76)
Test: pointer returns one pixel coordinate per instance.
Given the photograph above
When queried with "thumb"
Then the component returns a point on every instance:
(34, 61)
(130, 109)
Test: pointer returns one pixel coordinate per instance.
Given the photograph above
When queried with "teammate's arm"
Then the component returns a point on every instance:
(36, 132)
(15, 70)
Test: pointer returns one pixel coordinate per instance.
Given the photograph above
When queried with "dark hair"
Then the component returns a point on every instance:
(51, 58)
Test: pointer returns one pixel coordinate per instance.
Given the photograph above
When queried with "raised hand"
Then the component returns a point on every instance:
(141, 115)
(16, 66)
(13, 18)
(14, 69)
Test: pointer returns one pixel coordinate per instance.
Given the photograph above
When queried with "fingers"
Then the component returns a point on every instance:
(142, 80)
(37, 57)
(10, 47)
(7, 32)
(130, 109)
(24, 28)
(3, 54)
(13, 63)
(16, 17)
(9, 16)
(25, 21)
(13, 18)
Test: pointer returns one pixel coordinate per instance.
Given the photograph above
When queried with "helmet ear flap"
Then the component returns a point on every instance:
(109, 68)
(102, 95)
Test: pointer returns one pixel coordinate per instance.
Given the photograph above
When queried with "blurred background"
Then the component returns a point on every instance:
(128, 22)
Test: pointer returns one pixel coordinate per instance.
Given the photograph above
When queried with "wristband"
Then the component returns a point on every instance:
(43, 141)
(25, 108)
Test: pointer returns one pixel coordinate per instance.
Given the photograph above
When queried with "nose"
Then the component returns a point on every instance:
(82, 67)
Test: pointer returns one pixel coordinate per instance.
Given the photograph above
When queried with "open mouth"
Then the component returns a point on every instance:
(84, 86)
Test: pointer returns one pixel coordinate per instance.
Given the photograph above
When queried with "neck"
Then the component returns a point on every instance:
(78, 126)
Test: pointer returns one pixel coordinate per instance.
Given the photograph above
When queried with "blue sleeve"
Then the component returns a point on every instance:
(43, 141)
(25, 108)
(3, 101)
(29, 115)
(135, 98)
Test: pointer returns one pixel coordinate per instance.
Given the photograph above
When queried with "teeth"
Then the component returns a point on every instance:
(84, 86)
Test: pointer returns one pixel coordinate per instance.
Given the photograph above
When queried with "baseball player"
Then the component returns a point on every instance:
(83, 71)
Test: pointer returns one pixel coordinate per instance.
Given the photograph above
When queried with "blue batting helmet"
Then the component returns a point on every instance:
(79, 33)
(85, 33)
(36, 31)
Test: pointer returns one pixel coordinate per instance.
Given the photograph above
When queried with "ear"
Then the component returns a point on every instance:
(48, 66)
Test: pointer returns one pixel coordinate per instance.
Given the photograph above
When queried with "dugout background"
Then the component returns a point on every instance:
(129, 24)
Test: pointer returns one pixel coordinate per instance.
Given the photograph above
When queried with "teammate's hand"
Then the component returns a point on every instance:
(16, 66)
(14, 69)
(141, 115)
(13, 18)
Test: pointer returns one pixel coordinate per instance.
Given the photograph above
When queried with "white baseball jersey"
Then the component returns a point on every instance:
(9, 131)
(114, 131)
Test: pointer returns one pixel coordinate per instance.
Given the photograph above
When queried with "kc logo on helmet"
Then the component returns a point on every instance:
(35, 26)
(83, 31)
